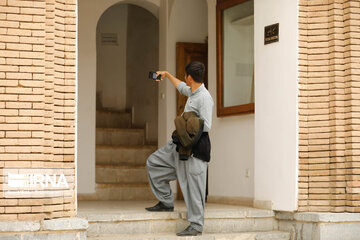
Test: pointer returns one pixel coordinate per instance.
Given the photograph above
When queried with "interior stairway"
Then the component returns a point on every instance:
(121, 153)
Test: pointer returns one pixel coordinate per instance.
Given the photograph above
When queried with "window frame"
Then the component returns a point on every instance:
(221, 110)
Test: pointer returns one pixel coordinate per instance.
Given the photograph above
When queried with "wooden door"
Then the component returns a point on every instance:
(185, 53)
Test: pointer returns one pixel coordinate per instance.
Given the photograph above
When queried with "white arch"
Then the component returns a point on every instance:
(150, 5)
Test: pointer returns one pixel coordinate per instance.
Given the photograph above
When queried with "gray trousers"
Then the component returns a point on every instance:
(164, 166)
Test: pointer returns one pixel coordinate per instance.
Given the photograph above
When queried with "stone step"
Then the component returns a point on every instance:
(112, 119)
(123, 155)
(269, 235)
(237, 220)
(123, 191)
(121, 174)
(120, 136)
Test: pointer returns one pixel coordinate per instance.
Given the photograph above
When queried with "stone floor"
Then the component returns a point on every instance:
(136, 206)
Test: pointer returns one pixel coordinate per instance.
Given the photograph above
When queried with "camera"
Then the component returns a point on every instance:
(152, 75)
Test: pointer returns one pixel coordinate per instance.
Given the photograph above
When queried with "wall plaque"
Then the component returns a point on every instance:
(272, 33)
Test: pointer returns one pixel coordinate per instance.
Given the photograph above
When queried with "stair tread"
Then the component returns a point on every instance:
(111, 111)
(104, 185)
(208, 236)
(179, 212)
(120, 129)
(126, 146)
(120, 166)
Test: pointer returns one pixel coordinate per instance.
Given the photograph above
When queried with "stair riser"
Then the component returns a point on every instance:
(171, 226)
(123, 156)
(118, 175)
(240, 236)
(119, 137)
(124, 193)
(239, 225)
(136, 227)
(113, 120)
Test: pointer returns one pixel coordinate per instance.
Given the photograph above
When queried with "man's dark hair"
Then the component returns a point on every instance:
(196, 70)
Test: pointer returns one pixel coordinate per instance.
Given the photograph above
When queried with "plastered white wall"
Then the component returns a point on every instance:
(187, 23)
(142, 57)
(111, 59)
(232, 138)
(276, 144)
(89, 12)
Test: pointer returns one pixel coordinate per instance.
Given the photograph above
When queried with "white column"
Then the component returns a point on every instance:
(276, 106)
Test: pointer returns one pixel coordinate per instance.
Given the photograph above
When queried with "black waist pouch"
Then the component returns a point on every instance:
(202, 148)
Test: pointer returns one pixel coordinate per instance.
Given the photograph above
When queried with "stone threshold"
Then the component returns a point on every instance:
(270, 235)
(318, 217)
(319, 225)
(59, 228)
(146, 216)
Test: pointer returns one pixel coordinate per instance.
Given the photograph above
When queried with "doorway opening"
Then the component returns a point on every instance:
(127, 48)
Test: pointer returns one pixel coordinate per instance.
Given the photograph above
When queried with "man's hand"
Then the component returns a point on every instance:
(162, 73)
(172, 79)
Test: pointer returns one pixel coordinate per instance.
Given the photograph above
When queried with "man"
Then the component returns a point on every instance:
(164, 165)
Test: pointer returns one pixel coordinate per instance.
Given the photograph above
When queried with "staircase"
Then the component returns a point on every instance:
(115, 220)
(121, 153)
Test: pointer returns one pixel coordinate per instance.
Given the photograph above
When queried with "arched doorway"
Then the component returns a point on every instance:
(127, 101)
(126, 49)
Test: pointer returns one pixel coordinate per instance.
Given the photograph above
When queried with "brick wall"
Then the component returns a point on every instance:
(37, 100)
(329, 105)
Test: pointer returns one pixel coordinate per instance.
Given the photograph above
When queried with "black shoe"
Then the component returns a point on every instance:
(160, 207)
(189, 231)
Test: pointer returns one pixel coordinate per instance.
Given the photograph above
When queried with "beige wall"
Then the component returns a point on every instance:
(329, 179)
(38, 102)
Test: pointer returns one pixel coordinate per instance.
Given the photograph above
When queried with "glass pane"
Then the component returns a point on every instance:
(238, 58)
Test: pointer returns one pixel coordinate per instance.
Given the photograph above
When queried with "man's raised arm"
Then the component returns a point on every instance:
(173, 79)
(180, 85)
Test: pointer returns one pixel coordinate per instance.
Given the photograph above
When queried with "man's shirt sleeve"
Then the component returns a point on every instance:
(184, 89)
(206, 112)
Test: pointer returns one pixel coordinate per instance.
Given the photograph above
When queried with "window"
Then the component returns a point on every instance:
(235, 57)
